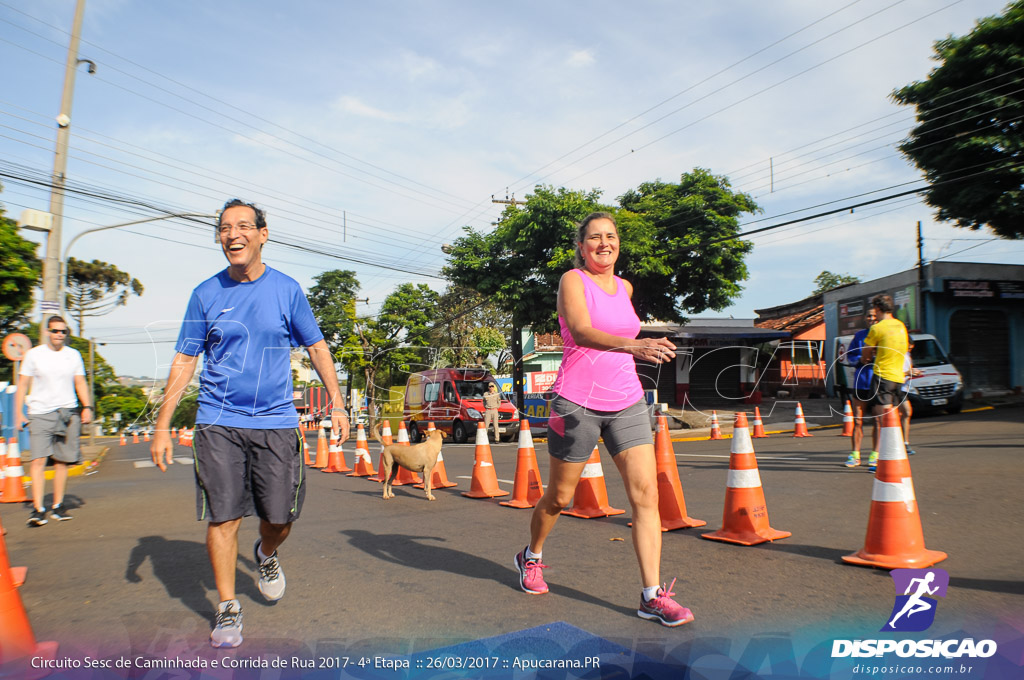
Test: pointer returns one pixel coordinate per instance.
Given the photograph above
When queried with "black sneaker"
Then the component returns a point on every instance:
(60, 513)
(37, 518)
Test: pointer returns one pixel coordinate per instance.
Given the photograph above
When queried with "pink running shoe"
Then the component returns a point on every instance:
(531, 580)
(663, 609)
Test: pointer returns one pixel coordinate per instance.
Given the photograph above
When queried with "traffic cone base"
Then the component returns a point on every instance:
(527, 488)
(895, 538)
(758, 432)
(671, 503)
(716, 431)
(322, 451)
(362, 466)
(590, 500)
(385, 440)
(484, 483)
(799, 424)
(745, 516)
(335, 458)
(17, 642)
(847, 430)
(14, 485)
(439, 480)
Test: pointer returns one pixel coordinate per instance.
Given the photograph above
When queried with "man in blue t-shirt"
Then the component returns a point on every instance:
(863, 391)
(245, 320)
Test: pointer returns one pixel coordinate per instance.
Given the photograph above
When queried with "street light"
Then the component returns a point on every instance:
(64, 260)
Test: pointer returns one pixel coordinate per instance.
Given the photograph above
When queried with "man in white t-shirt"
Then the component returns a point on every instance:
(55, 374)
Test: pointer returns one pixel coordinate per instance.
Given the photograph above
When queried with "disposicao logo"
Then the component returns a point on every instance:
(914, 610)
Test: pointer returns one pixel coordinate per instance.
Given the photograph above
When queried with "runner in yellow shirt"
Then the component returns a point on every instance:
(887, 344)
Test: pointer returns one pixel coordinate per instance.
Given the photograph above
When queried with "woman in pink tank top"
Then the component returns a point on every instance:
(598, 395)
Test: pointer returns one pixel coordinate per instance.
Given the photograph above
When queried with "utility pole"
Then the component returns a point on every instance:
(921, 295)
(518, 376)
(92, 390)
(51, 264)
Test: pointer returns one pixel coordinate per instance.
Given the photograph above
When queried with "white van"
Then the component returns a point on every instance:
(939, 386)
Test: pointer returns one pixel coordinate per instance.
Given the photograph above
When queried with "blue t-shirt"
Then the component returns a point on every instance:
(247, 331)
(862, 373)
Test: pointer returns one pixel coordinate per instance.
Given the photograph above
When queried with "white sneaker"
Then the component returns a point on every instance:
(227, 627)
(272, 581)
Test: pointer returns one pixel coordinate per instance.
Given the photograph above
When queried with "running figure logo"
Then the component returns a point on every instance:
(914, 610)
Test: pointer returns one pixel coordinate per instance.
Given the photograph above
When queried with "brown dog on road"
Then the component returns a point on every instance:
(420, 457)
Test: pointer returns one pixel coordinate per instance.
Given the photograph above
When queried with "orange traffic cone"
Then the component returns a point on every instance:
(591, 497)
(758, 425)
(439, 480)
(135, 438)
(18, 574)
(145, 436)
(745, 518)
(716, 431)
(362, 466)
(20, 654)
(336, 457)
(484, 483)
(671, 503)
(305, 448)
(527, 489)
(124, 440)
(407, 476)
(799, 425)
(894, 539)
(386, 440)
(174, 432)
(322, 450)
(14, 485)
(847, 420)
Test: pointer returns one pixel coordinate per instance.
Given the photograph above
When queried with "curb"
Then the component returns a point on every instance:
(86, 467)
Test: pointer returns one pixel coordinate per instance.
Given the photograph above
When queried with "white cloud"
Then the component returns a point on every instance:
(580, 58)
(358, 107)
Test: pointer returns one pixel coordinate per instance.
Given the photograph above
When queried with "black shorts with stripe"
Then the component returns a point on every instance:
(241, 472)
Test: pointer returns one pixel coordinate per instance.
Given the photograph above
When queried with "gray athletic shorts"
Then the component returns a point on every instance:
(240, 472)
(49, 438)
(573, 430)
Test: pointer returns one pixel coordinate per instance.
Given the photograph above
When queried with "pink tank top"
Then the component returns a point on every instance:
(596, 379)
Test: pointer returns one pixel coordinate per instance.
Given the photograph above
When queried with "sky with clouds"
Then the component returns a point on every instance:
(374, 132)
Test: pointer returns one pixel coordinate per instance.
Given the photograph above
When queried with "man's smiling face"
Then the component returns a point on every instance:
(240, 238)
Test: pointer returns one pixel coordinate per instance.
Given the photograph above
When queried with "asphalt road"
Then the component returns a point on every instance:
(130, 575)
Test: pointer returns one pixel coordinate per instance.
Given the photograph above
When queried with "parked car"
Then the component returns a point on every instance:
(937, 384)
(452, 398)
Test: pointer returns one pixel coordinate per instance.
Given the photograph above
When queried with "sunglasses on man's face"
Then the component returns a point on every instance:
(58, 331)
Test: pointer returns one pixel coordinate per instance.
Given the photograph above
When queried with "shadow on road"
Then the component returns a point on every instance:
(1014, 587)
(412, 551)
(184, 569)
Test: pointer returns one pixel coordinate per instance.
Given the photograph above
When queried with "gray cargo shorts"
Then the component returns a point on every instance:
(51, 437)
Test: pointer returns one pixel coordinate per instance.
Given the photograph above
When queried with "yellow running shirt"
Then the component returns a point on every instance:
(889, 337)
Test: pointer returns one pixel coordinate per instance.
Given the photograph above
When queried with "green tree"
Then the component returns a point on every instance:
(826, 281)
(129, 403)
(20, 270)
(517, 265)
(969, 139)
(331, 299)
(679, 247)
(471, 328)
(387, 354)
(97, 288)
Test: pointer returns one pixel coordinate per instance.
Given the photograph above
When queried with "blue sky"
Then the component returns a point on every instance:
(400, 120)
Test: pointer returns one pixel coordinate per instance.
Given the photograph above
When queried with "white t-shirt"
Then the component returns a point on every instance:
(53, 378)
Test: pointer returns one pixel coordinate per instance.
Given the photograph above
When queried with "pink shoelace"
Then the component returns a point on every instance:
(664, 594)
